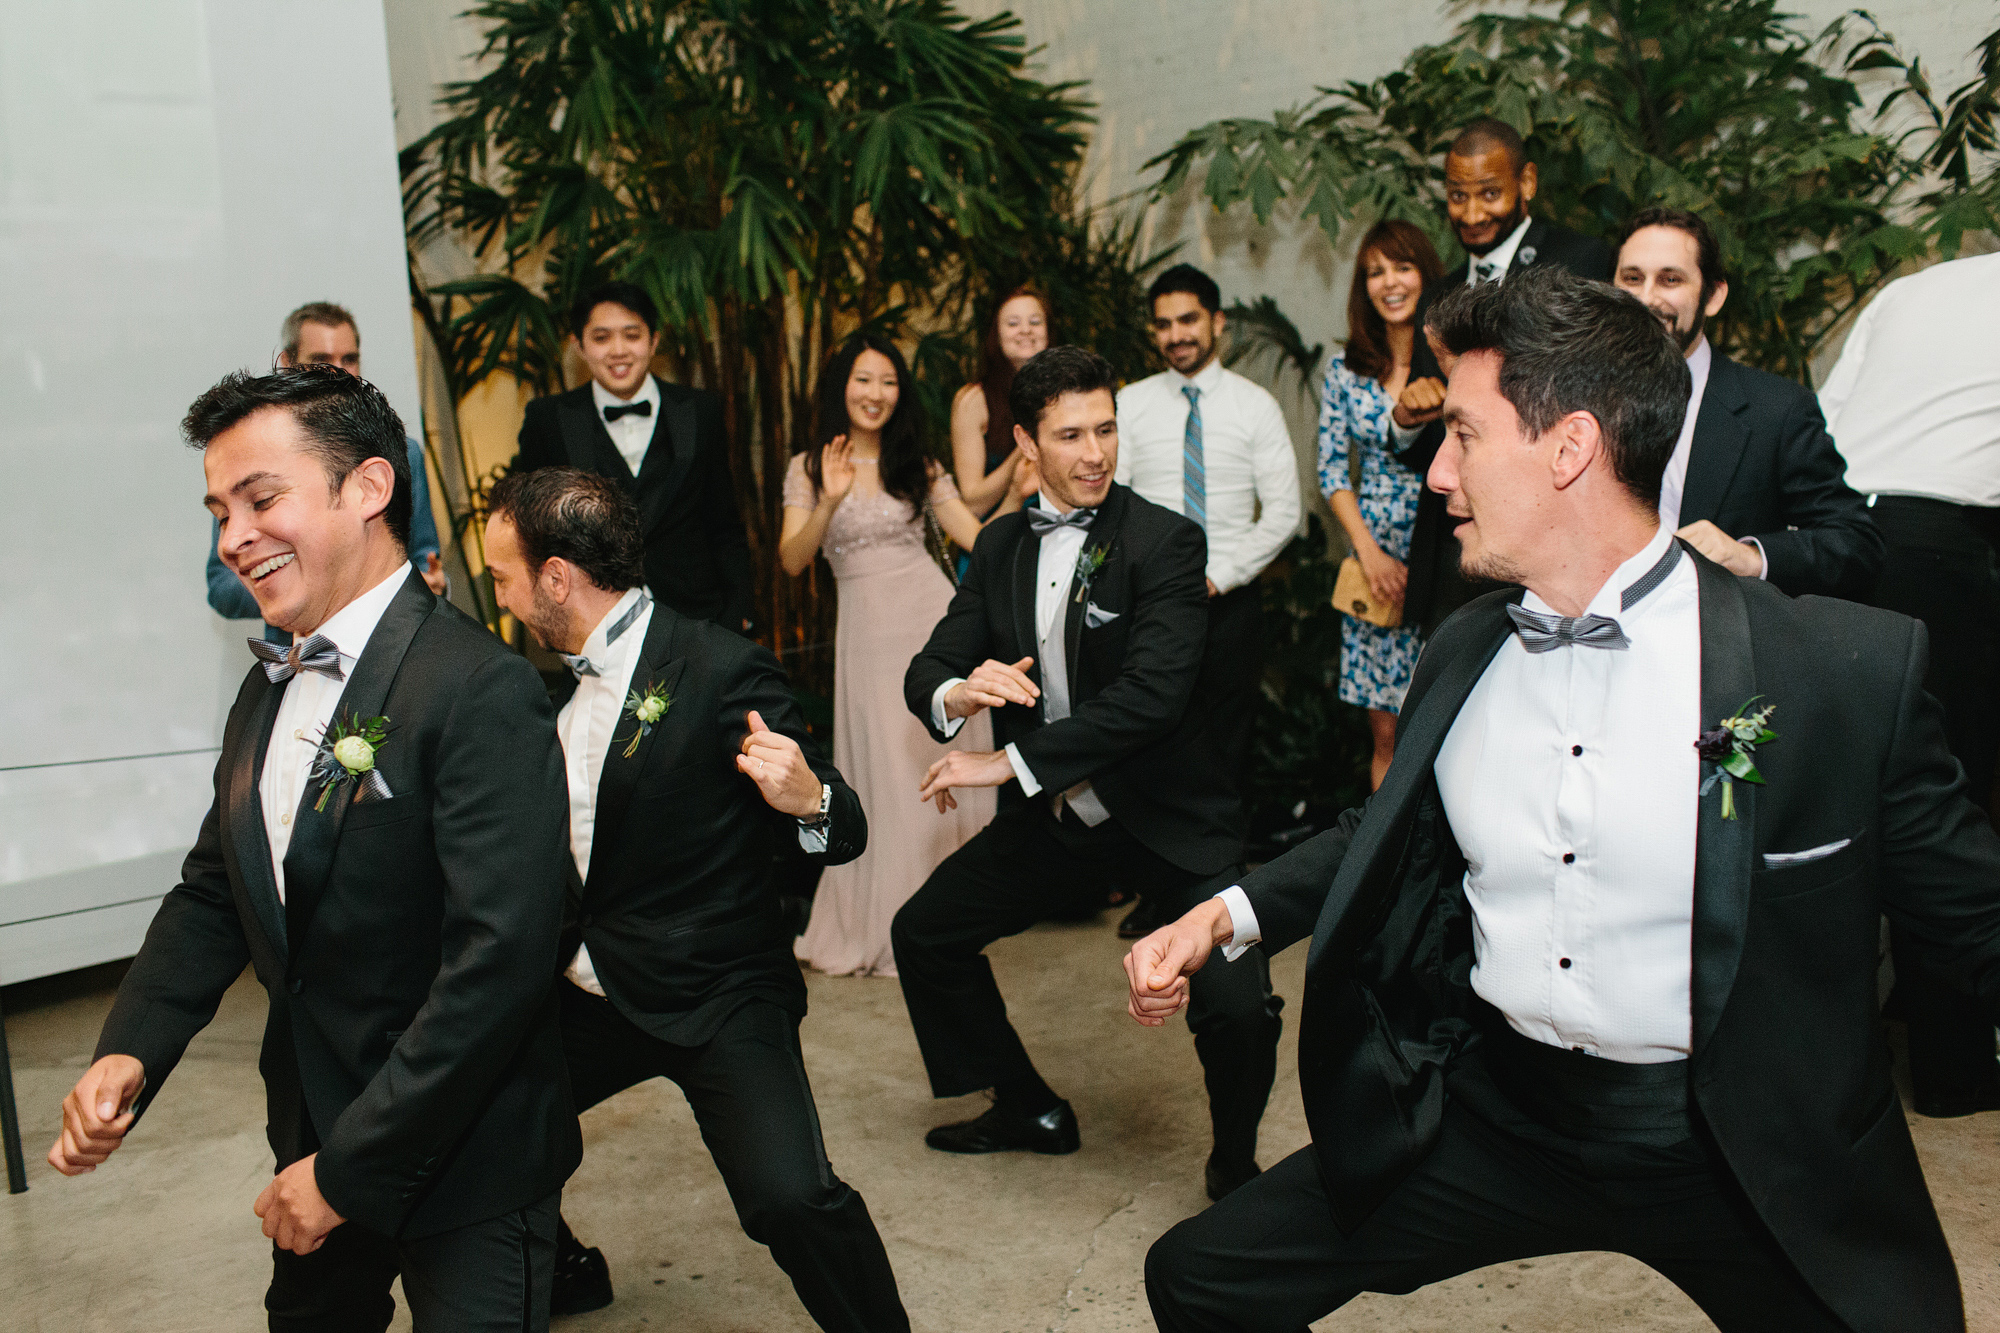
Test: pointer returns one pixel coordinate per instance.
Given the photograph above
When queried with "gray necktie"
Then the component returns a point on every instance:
(1485, 270)
(316, 654)
(1194, 473)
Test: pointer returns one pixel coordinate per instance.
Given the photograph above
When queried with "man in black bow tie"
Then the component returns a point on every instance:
(1083, 624)
(664, 443)
(386, 850)
(1595, 968)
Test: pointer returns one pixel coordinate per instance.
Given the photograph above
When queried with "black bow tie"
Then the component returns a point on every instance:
(1048, 520)
(642, 408)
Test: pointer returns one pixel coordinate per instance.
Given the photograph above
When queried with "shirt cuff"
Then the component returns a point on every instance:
(1404, 436)
(948, 725)
(1022, 772)
(813, 840)
(1242, 920)
(1763, 557)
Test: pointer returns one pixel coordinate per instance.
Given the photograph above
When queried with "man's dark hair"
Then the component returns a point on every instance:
(1571, 345)
(1708, 252)
(345, 419)
(1051, 373)
(628, 294)
(586, 519)
(1185, 278)
(1483, 136)
(314, 312)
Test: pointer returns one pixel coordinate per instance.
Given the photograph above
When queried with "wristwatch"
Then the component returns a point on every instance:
(818, 823)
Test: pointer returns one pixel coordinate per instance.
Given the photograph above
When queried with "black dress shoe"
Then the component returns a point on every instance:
(1962, 1103)
(582, 1281)
(1223, 1178)
(1004, 1129)
(1143, 920)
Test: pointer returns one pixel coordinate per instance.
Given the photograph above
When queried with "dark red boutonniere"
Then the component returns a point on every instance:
(1732, 747)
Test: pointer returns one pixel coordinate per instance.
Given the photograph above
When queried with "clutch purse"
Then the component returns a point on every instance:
(1353, 597)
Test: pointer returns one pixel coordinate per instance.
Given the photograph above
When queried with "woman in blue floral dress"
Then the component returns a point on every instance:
(1394, 265)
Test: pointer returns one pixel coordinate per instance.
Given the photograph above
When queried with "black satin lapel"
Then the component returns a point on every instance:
(588, 443)
(1720, 438)
(663, 471)
(620, 778)
(1422, 735)
(1027, 563)
(1722, 846)
(248, 843)
(315, 833)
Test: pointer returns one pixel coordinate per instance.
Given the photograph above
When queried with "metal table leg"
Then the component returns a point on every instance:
(10, 1119)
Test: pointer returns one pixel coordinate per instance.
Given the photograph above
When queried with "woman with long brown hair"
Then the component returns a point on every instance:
(1396, 262)
(983, 455)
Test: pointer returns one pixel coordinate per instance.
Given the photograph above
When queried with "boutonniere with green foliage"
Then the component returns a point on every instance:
(1732, 748)
(346, 752)
(646, 709)
(1088, 562)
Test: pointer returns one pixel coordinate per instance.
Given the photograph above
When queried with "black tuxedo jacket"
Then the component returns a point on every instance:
(1435, 588)
(1155, 761)
(697, 558)
(1762, 465)
(1789, 1068)
(412, 1038)
(680, 909)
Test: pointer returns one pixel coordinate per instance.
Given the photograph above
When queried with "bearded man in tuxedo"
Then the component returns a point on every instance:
(1595, 968)
(386, 849)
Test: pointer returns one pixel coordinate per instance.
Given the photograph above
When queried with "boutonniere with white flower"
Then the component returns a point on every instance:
(347, 752)
(646, 709)
(1088, 562)
(1732, 747)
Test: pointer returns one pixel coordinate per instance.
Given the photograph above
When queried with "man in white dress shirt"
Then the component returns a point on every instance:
(1595, 968)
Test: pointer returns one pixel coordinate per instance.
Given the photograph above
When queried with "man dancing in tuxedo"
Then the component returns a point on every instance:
(1083, 624)
(386, 850)
(1595, 968)
(686, 759)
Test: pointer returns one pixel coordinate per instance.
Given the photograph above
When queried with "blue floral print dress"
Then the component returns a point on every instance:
(1376, 664)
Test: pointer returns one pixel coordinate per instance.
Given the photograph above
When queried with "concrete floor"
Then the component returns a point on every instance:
(162, 1237)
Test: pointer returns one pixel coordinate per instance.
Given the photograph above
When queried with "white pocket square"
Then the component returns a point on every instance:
(1779, 860)
(1096, 617)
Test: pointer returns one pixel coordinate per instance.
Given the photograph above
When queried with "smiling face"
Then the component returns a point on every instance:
(618, 348)
(1485, 198)
(1496, 480)
(1023, 328)
(872, 392)
(1393, 287)
(1662, 267)
(1074, 448)
(303, 548)
(1184, 331)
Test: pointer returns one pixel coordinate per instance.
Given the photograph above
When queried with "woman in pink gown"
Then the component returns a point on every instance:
(860, 498)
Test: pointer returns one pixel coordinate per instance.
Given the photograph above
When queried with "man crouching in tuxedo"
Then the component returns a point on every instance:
(1595, 968)
(385, 848)
(687, 760)
(1084, 624)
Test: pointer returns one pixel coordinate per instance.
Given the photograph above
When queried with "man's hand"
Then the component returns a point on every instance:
(97, 1113)
(1213, 591)
(433, 572)
(1421, 401)
(296, 1215)
(991, 685)
(1735, 556)
(964, 768)
(776, 764)
(1157, 969)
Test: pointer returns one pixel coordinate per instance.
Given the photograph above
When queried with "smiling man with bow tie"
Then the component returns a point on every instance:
(1570, 988)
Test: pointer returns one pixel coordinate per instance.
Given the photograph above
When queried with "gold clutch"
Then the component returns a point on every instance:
(1353, 597)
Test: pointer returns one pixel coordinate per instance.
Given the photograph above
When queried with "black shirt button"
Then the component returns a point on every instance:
(1564, 963)
(1576, 749)
(1569, 858)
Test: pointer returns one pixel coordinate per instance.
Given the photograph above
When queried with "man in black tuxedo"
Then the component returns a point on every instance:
(1095, 604)
(386, 850)
(664, 443)
(1488, 185)
(1595, 968)
(1754, 483)
(688, 765)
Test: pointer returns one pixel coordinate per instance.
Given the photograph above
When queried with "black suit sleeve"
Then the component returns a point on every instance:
(194, 951)
(759, 683)
(721, 519)
(1829, 544)
(1289, 893)
(958, 643)
(1940, 858)
(1145, 700)
(540, 443)
(499, 824)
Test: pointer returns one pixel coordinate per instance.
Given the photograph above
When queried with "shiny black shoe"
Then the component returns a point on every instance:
(1951, 1107)
(582, 1281)
(1223, 1178)
(1004, 1129)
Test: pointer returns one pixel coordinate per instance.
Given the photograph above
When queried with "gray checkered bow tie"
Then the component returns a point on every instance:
(1541, 631)
(316, 654)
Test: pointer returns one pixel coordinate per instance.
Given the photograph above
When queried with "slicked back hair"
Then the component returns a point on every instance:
(345, 420)
(314, 312)
(1483, 136)
(1051, 373)
(628, 294)
(580, 516)
(1566, 345)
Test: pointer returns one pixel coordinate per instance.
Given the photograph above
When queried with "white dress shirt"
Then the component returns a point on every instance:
(1913, 404)
(1570, 780)
(1674, 481)
(1252, 472)
(1500, 257)
(632, 433)
(306, 712)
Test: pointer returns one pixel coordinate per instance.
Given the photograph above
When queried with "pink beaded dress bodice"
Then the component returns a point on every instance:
(872, 531)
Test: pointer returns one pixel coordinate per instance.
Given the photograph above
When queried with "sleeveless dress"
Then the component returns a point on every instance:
(892, 595)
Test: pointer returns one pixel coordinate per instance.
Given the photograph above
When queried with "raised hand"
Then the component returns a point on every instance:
(1422, 401)
(97, 1113)
(1158, 967)
(1735, 556)
(296, 1215)
(836, 468)
(991, 685)
(775, 763)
